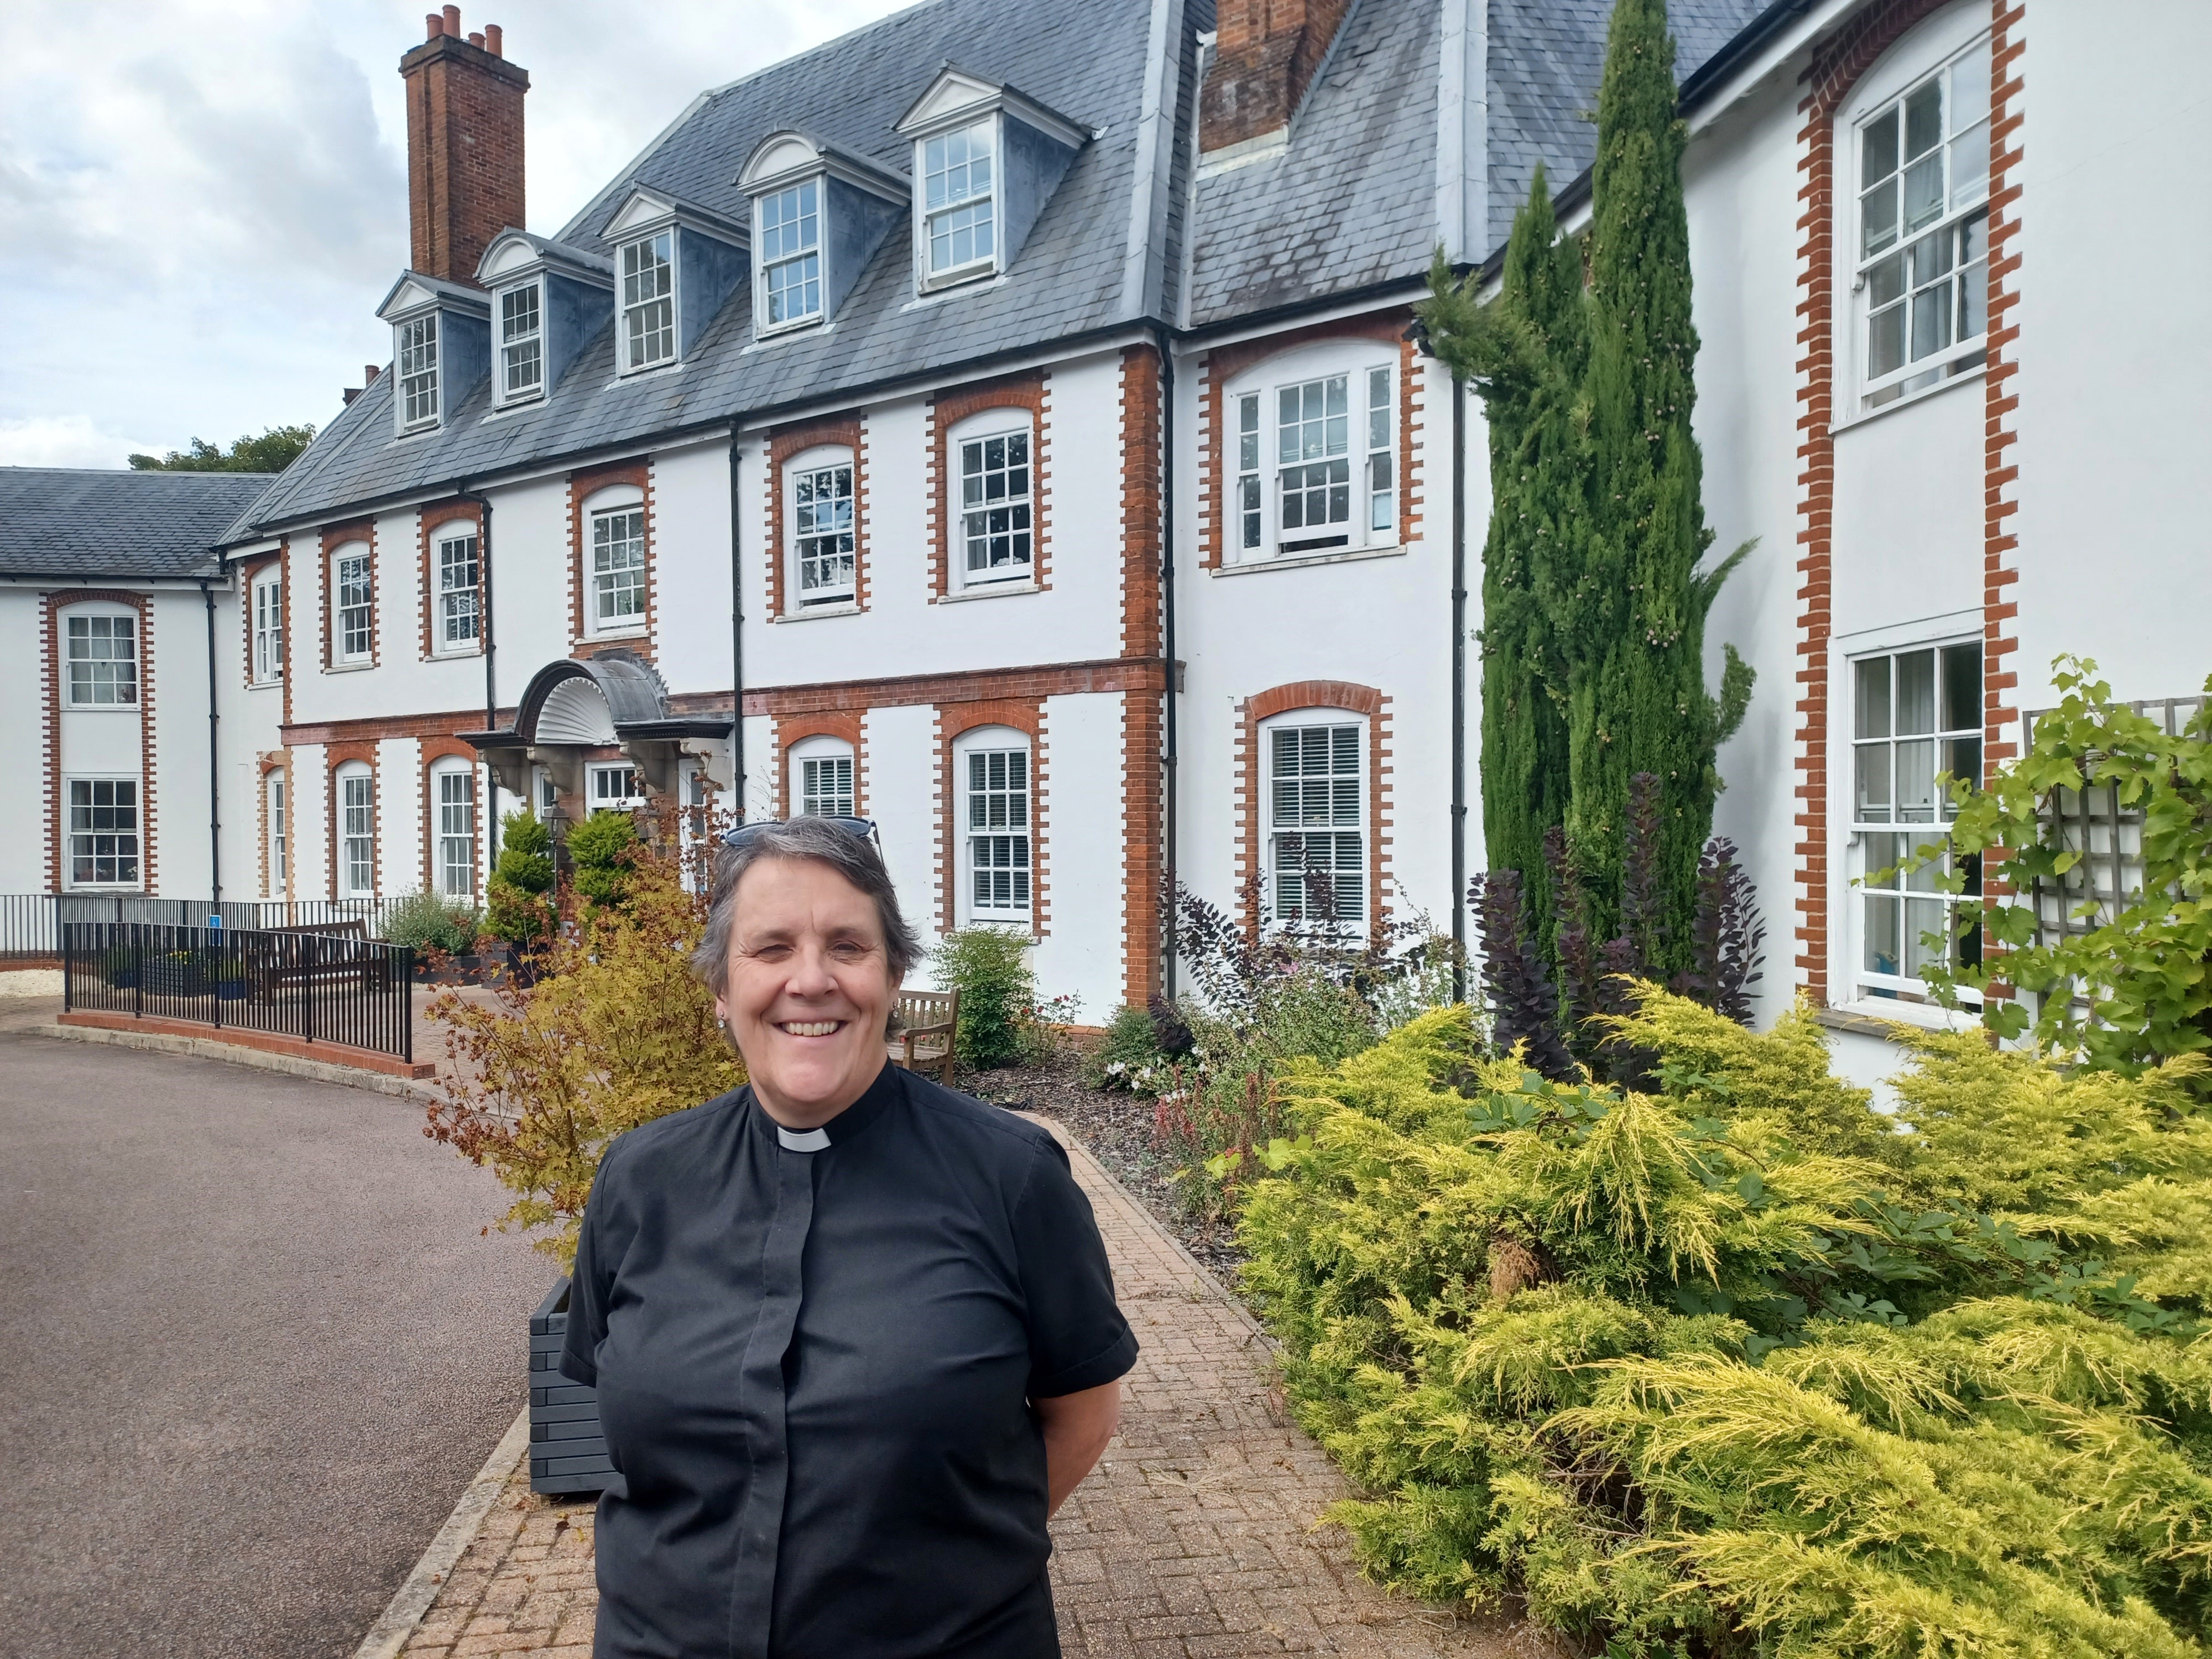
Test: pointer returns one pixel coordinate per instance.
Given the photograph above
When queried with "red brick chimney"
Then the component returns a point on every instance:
(1266, 52)
(464, 146)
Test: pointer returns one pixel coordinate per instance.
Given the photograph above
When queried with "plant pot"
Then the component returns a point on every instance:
(567, 1451)
(165, 978)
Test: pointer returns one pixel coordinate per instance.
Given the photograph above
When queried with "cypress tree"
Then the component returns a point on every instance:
(1630, 624)
(1525, 354)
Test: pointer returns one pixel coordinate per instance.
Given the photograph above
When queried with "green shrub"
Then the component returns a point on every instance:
(1129, 1057)
(1741, 1366)
(519, 905)
(424, 921)
(600, 854)
(1001, 1021)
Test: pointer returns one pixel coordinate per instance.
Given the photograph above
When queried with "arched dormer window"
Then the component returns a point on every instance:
(986, 161)
(819, 213)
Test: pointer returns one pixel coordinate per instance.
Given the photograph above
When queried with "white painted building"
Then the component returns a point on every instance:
(1018, 424)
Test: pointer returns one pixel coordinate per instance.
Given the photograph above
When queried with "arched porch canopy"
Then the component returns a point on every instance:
(612, 700)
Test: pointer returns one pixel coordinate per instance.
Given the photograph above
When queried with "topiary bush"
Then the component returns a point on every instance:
(1736, 1365)
(601, 851)
(519, 905)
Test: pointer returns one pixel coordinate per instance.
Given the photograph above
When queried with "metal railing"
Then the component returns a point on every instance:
(318, 987)
(30, 922)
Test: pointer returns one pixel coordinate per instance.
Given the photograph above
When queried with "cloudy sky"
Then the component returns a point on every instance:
(203, 201)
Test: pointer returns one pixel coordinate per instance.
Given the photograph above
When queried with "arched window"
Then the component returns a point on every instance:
(1308, 455)
(1314, 813)
(995, 796)
(819, 510)
(993, 458)
(354, 786)
(456, 587)
(1917, 130)
(821, 782)
(614, 560)
(454, 828)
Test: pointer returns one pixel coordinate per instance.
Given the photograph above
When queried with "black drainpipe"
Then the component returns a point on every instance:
(737, 640)
(215, 758)
(1168, 880)
(1458, 689)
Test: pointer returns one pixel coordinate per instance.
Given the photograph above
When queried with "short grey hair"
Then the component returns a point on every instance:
(823, 842)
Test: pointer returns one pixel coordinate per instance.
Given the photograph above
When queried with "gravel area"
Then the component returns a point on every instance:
(1117, 1129)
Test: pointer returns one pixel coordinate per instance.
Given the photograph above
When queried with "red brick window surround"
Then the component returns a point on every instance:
(349, 542)
(1024, 728)
(54, 649)
(826, 445)
(820, 734)
(1827, 174)
(1233, 370)
(340, 762)
(276, 769)
(1010, 398)
(439, 758)
(593, 492)
(451, 618)
(1320, 698)
(263, 570)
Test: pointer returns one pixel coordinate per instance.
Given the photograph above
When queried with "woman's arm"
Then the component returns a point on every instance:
(1077, 1427)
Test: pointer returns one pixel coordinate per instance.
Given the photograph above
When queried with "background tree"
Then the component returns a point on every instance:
(272, 452)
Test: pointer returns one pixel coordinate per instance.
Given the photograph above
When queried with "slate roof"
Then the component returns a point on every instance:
(79, 522)
(1348, 205)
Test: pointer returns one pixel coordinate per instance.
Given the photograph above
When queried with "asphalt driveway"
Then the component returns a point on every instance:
(251, 1348)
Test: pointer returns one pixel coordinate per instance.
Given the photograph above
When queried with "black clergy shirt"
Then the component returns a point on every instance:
(814, 1356)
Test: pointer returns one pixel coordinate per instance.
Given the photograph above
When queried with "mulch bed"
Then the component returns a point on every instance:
(1117, 1129)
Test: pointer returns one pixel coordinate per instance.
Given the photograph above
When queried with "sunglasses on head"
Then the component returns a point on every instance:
(859, 828)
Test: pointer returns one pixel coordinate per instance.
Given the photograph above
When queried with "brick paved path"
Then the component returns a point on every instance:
(1191, 1540)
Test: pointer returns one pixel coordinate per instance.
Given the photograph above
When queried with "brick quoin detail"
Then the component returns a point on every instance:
(1251, 782)
(2001, 408)
(953, 719)
(582, 486)
(334, 537)
(334, 756)
(428, 522)
(847, 432)
(53, 650)
(1224, 363)
(1029, 390)
(1837, 63)
(435, 749)
(1140, 711)
(291, 623)
(797, 728)
(273, 764)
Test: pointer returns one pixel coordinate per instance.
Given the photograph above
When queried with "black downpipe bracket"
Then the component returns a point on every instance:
(214, 759)
(736, 639)
(1170, 938)
(1458, 689)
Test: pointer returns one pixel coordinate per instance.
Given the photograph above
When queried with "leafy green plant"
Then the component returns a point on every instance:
(425, 922)
(1002, 1022)
(1129, 1056)
(614, 1032)
(2133, 985)
(518, 904)
(601, 855)
(1731, 1365)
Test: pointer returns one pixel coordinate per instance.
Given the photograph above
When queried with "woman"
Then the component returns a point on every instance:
(854, 1335)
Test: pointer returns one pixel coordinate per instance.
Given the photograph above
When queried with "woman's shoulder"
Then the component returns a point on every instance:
(1016, 1138)
(678, 1136)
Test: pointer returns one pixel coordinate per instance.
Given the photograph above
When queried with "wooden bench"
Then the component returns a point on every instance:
(269, 977)
(926, 1023)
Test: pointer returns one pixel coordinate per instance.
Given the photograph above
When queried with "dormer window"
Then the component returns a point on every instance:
(986, 161)
(791, 253)
(418, 372)
(819, 214)
(648, 296)
(521, 343)
(956, 172)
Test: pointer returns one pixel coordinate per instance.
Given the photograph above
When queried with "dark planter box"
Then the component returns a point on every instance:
(457, 970)
(175, 979)
(567, 1451)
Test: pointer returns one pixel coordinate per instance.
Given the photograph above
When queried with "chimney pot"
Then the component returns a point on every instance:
(368, 373)
(435, 25)
(493, 42)
(477, 40)
(454, 22)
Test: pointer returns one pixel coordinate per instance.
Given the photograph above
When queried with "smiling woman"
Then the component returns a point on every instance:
(854, 1335)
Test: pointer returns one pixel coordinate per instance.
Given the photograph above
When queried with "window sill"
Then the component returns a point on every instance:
(1305, 561)
(990, 591)
(624, 376)
(264, 685)
(350, 667)
(783, 333)
(1912, 399)
(1873, 1016)
(458, 654)
(939, 288)
(814, 612)
(602, 636)
(99, 708)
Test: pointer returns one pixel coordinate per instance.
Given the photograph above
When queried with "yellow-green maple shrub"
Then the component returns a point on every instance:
(615, 1032)
(1741, 1367)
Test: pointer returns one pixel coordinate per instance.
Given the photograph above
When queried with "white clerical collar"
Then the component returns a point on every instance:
(802, 1140)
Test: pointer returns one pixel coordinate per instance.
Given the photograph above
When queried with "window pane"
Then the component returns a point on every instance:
(1878, 149)
(1962, 761)
(1886, 341)
(1878, 217)
(1879, 922)
(1962, 688)
(1871, 790)
(1873, 701)
(1969, 87)
(1916, 693)
(1916, 781)
(1924, 917)
(1931, 321)
(1923, 191)
(1970, 166)
(1923, 120)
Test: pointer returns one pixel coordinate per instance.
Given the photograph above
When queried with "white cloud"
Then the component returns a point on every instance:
(201, 204)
